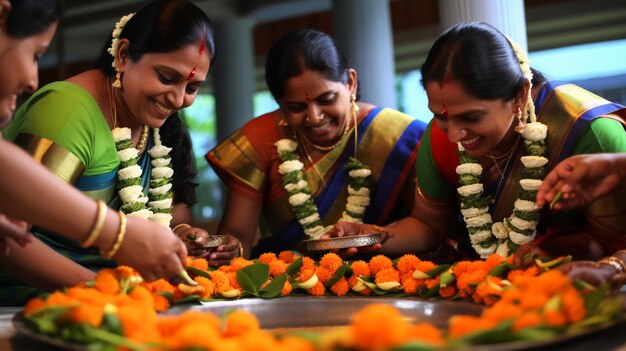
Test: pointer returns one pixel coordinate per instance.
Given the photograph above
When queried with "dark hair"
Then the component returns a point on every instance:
(301, 50)
(159, 27)
(480, 58)
(31, 17)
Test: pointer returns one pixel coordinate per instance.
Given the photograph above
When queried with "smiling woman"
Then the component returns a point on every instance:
(151, 67)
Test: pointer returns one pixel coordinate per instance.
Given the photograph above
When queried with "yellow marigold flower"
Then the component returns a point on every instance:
(378, 327)
(199, 263)
(461, 325)
(387, 275)
(287, 288)
(317, 290)
(360, 268)
(107, 282)
(240, 322)
(426, 332)
(221, 281)
(267, 258)
(34, 305)
(341, 287)
(277, 267)
(331, 261)
(287, 256)
(380, 262)
(527, 319)
(292, 343)
(208, 286)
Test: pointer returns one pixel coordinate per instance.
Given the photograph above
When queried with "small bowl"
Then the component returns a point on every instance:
(345, 242)
(216, 240)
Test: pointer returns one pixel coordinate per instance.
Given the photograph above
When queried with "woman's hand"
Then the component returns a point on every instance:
(342, 229)
(151, 249)
(593, 273)
(195, 240)
(11, 229)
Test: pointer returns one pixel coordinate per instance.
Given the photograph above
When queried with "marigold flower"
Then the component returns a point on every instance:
(125, 272)
(461, 325)
(341, 287)
(199, 263)
(287, 256)
(317, 290)
(331, 261)
(194, 335)
(232, 277)
(573, 306)
(267, 258)
(307, 263)
(527, 319)
(287, 288)
(277, 267)
(360, 268)
(106, 281)
(387, 275)
(139, 322)
(431, 283)
(492, 261)
(324, 274)
(410, 285)
(380, 262)
(240, 322)
(534, 300)
(34, 305)
(407, 263)
(207, 284)
(378, 326)
(258, 340)
(160, 285)
(238, 263)
(353, 281)
(221, 281)
(292, 343)
(447, 292)
(426, 332)
(554, 318)
(305, 274)
(86, 314)
(501, 311)
(161, 303)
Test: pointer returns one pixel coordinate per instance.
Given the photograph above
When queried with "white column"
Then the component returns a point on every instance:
(363, 30)
(508, 16)
(233, 74)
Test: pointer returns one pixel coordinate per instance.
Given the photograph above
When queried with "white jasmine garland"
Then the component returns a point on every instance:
(132, 196)
(302, 203)
(504, 239)
(161, 162)
(115, 42)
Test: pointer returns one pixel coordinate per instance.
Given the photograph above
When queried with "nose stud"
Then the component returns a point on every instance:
(306, 118)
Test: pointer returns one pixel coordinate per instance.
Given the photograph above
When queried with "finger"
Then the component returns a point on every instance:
(370, 248)
(347, 253)
(4, 247)
(576, 177)
(16, 233)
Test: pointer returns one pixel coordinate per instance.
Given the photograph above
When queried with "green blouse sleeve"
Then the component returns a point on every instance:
(602, 135)
(429, 180)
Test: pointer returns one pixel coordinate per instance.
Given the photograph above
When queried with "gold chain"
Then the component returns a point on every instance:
(510, 153)
(330, 147)
(310, 159)
(145, 130)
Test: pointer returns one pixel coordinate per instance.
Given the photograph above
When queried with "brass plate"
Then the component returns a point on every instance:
(216, 240)
(344, 242)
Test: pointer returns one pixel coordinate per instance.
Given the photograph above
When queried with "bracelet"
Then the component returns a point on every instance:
(178, 226)
(97, 225)
(377, 228)
(614, 262)
(240, 249)
(120, 237)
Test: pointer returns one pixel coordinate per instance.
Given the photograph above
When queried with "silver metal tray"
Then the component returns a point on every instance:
(345, 242)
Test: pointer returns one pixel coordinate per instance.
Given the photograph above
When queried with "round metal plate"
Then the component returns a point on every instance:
(344, 242)
(216, 240)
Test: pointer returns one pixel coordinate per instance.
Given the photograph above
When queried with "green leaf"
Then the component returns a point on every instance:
(446, 279)
(339, 273)
(501, 269)
(372, 285)
(501, 333)
(593, 299)
(438, 270)
(415, 346)
(252, 277)
(294, 267)
(112, 323)
(274, 288)
(536, 333)
(199, 272)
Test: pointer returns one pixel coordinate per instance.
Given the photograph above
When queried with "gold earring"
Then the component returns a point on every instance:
(354, 106)
(520, 122)
(282, 122)
(117, 83)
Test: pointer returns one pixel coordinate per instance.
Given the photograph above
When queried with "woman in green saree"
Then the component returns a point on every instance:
(491, 141)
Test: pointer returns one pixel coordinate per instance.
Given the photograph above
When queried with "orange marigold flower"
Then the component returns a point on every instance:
(139, 323)
(461, 325)
(86, 314)
(331, 261)
(353, 281)
(554, 318)
(407, 264)
(410, 285)
(287, 288)
(106, 281)
(293, 343)
(552, 282)
(527, 319)
(431, 283)
(378, 326)
(287, 256)
(34, 305)
(492, 261)
(317, 290)
(161, 285)
(305, 274)
(238, 263)
(324, 274)
(125, 272)
(58, 298)
(199, 263)
(143, 296)
(194, 335)
(387, 275)
(380, 262)
(161, 303)
(426, 332)
(221, 281)
(188, 260)
(267, 257)
(258, 340)
(232, 276)
(277, 267)
(240, 322)
(573, 306)
(533, 301)
(447, 292)
(307, 263)
(501, 311)
(360, 268)
(207, 284)
(341, 287)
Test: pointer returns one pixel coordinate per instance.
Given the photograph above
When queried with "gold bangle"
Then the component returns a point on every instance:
(120, 237)
(240, 249)
(614, 262)
(377, 228)
(178, 226)
(97, 225)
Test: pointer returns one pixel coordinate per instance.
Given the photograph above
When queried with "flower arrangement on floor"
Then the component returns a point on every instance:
(299, 190)
(119, 309)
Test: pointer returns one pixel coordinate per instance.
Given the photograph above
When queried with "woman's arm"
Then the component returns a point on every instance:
(241, 219)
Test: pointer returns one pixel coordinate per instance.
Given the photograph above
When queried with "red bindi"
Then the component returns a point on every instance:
(201, 51)
(192, 73)
(444, 109)
(307, 98)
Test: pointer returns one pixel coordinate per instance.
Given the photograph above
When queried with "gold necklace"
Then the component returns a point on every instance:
(497, 159)
(310, 159)
(145, 130)
(326, 148)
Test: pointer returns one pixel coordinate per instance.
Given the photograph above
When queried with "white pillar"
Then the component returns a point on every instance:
(507, 16)
(363, 31)
(233, 73)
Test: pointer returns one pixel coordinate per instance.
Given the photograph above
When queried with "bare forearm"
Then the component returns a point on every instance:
(410, 236)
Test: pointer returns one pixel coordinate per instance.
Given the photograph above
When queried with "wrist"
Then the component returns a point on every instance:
(617, 264)
(180, 227)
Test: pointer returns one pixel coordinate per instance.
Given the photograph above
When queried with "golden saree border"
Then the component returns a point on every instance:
(238, 158)
(562, 108)
(55, 157)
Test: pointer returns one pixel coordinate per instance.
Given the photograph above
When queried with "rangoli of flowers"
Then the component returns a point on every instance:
(299, 191)
(118, 308)
(520, 227)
